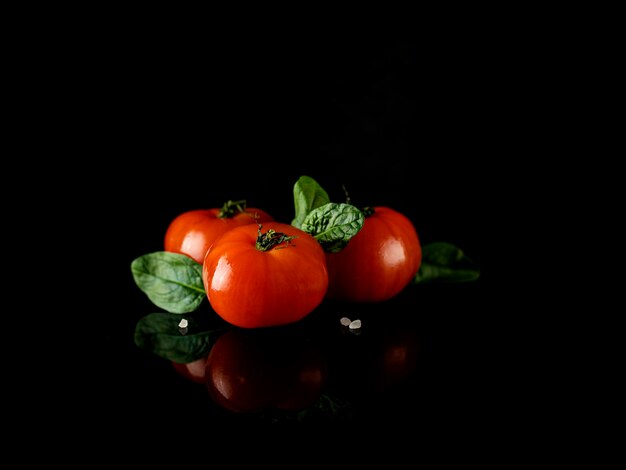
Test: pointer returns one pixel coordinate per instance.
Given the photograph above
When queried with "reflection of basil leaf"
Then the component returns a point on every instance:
(333, 225)
(159, 333)
(328, 408)
(444, 262)
(307, 195)
(170, 280)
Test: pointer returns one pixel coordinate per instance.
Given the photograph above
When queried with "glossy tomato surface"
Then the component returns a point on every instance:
(251, 288)
(378, 262)
(193, 232)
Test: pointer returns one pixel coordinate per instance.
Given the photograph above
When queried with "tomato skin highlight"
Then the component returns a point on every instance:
(250, 288)
(378, 262)
(193, 232)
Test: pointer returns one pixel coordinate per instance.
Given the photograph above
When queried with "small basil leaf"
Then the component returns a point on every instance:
(444, 262)
(160, 334)
(333, 225)
(170, 280)
(307, 195)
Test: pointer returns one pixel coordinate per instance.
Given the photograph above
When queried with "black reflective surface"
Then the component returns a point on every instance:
(412, 361)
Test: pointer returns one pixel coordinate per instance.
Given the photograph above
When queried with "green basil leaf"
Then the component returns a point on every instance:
(307, 195)
(160, 334)
(170, 280)
(333, 225)
(444, 262)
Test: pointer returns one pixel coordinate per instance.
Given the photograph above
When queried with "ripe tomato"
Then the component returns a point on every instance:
(193, 232)
(378, 262)
(269, 275)
(247, 371)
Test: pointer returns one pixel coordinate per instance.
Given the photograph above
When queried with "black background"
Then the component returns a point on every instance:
(393, 120)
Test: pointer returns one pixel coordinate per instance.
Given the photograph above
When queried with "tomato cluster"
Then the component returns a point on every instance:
(258, 272)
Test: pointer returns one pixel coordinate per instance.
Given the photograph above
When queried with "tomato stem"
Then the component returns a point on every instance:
(345, 191)
(367, 211)
(230, 208)
(271, 239)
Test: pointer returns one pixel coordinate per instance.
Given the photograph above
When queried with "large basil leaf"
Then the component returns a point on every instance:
(444, 262)
(333, 225)
(170, 280)
(307, 195)
(160, 334)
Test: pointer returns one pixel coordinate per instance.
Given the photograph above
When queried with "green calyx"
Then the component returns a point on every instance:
(231, 208)
(367, 211)
(272, 239)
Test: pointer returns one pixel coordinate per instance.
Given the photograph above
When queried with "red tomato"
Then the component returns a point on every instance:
(192, 233)
(248, 372)
(252, 288)
(378, 262)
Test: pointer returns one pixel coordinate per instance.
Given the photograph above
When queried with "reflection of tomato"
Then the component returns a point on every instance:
(396, 358)
(248, 372)
(381, 360)
(194, 371)
(192, 233)
(378, 262)
(250, 288)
